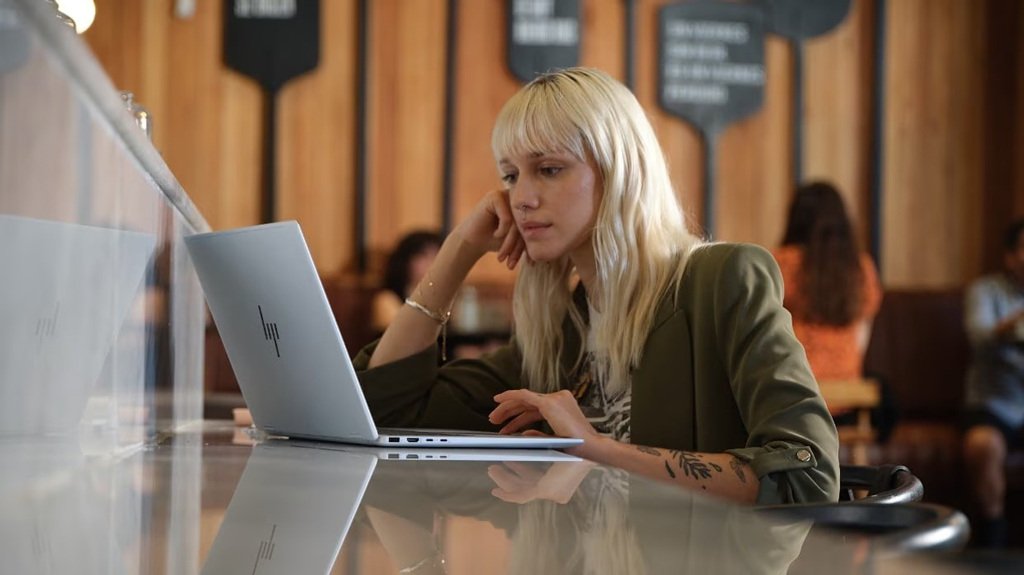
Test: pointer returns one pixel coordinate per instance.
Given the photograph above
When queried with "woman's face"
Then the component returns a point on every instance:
(555, 199)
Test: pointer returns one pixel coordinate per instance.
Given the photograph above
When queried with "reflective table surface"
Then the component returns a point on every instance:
(220, 499)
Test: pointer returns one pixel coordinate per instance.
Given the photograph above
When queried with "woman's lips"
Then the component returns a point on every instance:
(530, 229)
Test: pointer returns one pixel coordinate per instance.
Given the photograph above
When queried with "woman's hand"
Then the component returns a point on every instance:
(559, 409)
(521, 483)
(492, 228)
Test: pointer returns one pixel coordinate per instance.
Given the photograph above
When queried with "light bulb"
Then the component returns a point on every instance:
(83, 12)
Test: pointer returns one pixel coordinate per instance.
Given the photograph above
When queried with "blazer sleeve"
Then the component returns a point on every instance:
(792, 443)
(414, 392)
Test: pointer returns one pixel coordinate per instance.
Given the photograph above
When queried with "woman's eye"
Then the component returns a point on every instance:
(550, 170)
(509, 178)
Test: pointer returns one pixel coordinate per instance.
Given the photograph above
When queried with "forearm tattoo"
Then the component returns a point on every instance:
(737, 466)
(692, 464)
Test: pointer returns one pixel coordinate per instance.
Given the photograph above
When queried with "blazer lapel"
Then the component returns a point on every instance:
(663, 387)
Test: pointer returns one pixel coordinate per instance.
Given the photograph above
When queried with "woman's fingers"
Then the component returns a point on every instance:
(517, 252)
(503, 211)
(506, 410)
(524, 395)
(506, 479)
(521, 421)
(508, 246)
(525, 471)
(512, 497)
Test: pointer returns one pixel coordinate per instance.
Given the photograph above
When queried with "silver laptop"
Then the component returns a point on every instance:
(286, 350)
(66, 290)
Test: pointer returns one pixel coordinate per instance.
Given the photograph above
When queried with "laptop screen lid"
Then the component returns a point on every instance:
(280, 333)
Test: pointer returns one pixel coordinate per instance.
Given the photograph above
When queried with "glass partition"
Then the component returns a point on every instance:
(101, 315)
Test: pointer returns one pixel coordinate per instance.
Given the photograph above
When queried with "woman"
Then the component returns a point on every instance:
(832, 288)
(670, 358)
(405, 268)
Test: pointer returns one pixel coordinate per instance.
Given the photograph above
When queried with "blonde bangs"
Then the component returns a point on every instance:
(535, 122)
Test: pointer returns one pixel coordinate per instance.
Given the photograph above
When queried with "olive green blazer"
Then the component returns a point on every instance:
(721, 372)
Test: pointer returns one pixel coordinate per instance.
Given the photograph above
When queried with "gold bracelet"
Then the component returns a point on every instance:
(439, 318)
(434, 560)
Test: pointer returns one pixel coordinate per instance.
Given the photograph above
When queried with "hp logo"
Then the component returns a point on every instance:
(47, 326)
(270, 331)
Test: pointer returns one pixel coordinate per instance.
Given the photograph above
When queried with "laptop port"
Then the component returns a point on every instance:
(412, 456)
(392, 456)
(412, 439)
(444, 440)
(394, 439)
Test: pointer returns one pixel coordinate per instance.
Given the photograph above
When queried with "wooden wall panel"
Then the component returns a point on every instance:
(406, 107)
(755, 175)
(483, 85)
(317, 142)
(933, 143)
(1018, 73)
(604, 36)
(1000, 109)
(838, 77)
(937, 221)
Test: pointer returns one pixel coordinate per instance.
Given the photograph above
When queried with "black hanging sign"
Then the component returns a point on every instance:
(711, 72)
(543, 35)
(802, 19)
(711, 62)
(271, 41)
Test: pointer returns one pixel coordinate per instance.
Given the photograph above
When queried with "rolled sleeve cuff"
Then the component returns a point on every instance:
(780, 468)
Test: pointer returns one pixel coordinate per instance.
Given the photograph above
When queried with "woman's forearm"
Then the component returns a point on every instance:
(412, 331)
(719, 474)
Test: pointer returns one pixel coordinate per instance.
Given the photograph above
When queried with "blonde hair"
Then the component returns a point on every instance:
(640, 240)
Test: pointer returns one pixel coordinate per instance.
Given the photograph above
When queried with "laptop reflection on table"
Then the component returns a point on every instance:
(291, 511)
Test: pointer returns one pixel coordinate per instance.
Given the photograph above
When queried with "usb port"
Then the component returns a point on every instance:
(412, 439)
(394, 439)
(392, 456)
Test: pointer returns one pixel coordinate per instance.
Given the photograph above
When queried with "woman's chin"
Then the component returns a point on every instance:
(540, 255)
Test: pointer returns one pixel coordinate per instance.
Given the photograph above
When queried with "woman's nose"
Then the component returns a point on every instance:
(524, 197)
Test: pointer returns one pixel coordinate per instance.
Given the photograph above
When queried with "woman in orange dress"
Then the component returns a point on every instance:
(832, 287)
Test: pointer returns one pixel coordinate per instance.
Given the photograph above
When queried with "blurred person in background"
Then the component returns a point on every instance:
(832, 291)
(994, 320)
(405, 268)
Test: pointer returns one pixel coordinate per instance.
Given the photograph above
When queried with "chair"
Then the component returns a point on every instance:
(891, 517)
(860, 395)
(885, 484)
(889, 529)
